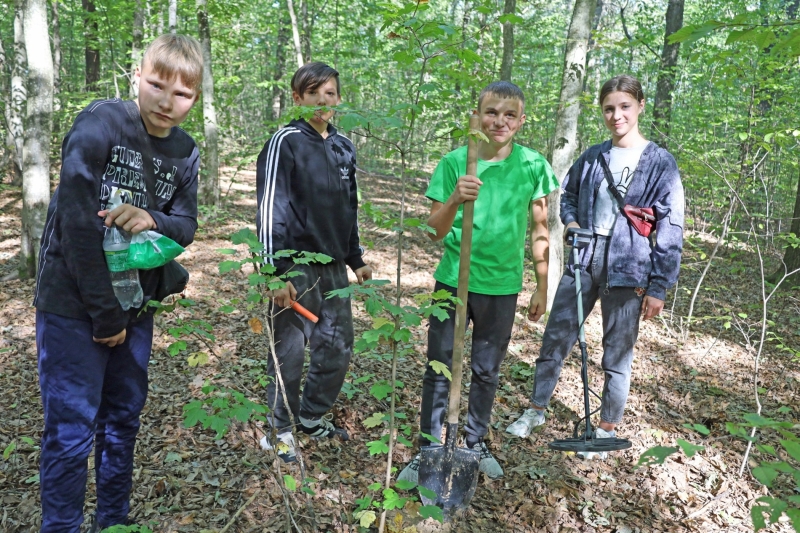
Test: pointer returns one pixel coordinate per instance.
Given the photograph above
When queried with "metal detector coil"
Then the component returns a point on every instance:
(588, 442)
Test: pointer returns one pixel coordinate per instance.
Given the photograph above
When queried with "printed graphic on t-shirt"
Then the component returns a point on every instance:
(623, 180)
(124, 172)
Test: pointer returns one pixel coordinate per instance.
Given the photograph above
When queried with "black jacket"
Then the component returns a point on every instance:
(307, 195)
(102, 152)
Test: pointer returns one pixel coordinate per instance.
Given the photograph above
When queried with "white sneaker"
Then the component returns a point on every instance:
(488, 464)
(285, 446)
(599, 433)
(529, 420)
(411, 471)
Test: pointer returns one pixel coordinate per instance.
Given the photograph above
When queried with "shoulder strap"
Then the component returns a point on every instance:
(610, 180)
(147, 151)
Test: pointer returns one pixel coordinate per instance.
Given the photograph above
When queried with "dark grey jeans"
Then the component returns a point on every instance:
(492, 319)
(330, 343)
(620, 307)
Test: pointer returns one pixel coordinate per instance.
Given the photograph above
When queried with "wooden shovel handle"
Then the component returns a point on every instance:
(463, 281)
(305, 312)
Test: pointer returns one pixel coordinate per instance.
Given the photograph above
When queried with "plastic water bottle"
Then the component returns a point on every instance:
(125, 281)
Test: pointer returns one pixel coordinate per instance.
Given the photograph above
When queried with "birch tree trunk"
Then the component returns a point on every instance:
(280, 66)
(36, 159)
(565, 136)
(305, 37)
(209, 185)
(92, 53)
(298, 48)
(173, 16)
(136, 46)
(508, 41)
(666, 75)
(19, 93)
(56, 37)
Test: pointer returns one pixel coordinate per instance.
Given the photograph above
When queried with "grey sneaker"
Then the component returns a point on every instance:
(599, 433)
(285, 446)
(488, 464)
(529, 420)
(411, 471)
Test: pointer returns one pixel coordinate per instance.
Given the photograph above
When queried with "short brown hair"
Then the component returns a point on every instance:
(311, 75)
(503, 89)
(624, 83)
(173, 55)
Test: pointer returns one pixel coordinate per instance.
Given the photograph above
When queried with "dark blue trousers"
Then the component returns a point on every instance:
(91, 394)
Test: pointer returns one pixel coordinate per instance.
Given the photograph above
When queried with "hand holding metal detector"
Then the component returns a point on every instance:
(580, 238)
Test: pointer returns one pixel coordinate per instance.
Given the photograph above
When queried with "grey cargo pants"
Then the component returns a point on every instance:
(620, 307)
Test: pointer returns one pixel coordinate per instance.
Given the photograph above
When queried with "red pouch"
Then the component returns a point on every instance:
(641, 218)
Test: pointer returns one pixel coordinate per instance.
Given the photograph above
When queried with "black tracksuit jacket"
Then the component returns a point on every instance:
(307, 195)
(101, 153)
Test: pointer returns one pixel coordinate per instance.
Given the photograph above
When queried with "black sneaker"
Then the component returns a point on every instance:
(323, 429)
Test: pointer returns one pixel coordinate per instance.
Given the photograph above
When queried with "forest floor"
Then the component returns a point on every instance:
(186, 480)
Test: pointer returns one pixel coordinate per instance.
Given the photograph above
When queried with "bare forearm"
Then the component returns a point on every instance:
(441, 219)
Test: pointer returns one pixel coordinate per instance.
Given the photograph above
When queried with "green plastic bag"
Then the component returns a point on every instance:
(150, 249)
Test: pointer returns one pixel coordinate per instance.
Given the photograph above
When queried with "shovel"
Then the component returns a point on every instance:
(450, 472)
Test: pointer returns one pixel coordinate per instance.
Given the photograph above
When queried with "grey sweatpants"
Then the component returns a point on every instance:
(330, 343)
(620, 307)
(492, 320)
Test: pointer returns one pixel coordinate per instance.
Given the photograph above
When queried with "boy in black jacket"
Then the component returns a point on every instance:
(92, 355)
(307, 201)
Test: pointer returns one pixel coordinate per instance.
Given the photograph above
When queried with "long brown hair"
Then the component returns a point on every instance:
(624, 83)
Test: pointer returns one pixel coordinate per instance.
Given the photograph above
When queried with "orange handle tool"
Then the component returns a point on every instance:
(305, 312)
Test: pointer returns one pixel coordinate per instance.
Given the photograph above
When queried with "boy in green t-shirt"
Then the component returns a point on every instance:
(514, 181)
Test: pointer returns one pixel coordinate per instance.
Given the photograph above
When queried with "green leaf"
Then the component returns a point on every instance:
(375, 486)
(655, 455)
(441, 368)
(377, 446)
(227, 266)
(366, 517)
(405, 484)
(392, 500)
(765, 474)
(197, 359)
(688, 448)
(192, 416)
(426, 492)
(9, 450)
(176, 347)
(792, 448)
(431, 511)
(794, 516)
(27, 440)
(226, 251)
(374, 420)
(380, 390)
(512, 18)
(290, 483)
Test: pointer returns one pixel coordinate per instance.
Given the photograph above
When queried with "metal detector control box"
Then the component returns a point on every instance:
(579, 237)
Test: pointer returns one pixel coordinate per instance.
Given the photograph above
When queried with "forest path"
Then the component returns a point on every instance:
(185, 480)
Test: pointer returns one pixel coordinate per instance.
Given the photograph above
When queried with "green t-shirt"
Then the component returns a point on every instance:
(500, 222)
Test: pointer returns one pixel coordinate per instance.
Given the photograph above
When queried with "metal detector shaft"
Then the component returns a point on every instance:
(576, 261)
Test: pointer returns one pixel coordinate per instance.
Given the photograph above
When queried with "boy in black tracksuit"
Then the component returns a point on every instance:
(307, 201)
(92, 355)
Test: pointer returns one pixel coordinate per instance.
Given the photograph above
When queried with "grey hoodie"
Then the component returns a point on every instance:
(633, 261)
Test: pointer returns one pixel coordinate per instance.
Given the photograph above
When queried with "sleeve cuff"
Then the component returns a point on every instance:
(106, 330)
(355, 262)
(657, 291)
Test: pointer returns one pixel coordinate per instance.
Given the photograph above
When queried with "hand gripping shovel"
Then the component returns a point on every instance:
(450, 472)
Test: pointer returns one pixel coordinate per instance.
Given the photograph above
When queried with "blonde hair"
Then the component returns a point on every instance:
(173, 55)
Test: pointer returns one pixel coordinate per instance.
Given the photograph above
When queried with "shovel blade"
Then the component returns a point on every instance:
(450, 472)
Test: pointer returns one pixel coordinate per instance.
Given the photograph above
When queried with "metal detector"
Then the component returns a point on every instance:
(588, 442)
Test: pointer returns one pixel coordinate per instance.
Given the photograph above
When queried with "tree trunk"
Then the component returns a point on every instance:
(565, 139)
(209, 186)
(306, 35)
(298, 49)
(56, 36)
(173, 16)
(136, 46)
(19, 93)
(508, 41)
(666, 75)
(92, 52)
(280, 65)
(36, 160)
